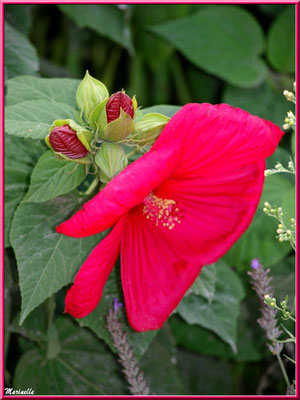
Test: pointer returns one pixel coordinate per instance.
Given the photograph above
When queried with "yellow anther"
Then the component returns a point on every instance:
(161, 211)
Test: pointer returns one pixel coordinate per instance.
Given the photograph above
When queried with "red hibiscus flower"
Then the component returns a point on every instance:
(179, 207)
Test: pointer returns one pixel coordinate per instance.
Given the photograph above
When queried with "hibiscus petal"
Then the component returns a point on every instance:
(153, 278)
(160, 264)
(86, 291)
(219, 138)
(216, 210)
(123, 192)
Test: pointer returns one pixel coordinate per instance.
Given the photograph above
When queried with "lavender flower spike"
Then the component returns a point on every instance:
(255, 264)
(131, 369)
(260, 280)
(117, 304)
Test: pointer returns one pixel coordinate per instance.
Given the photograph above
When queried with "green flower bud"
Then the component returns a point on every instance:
(90, 92)
(69, 140)
(118, 129)
(148, 128)
(111, 159)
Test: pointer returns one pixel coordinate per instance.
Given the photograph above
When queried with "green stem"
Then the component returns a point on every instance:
(50, 307)
(92, 186)
(111, 67)
(179, 79)
(280, 309)
(132, 153)
(283, 370)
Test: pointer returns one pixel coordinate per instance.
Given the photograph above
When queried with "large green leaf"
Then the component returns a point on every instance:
(107, 20)
(20, 158)
(22, 88)
(20, 56)
(34, 327)
(81, 366)
(260, 238)
(262, 101)
(154, 50)
(250, 343)
(205, 375)
(52, 177)
(205, 284)
(159, 365)
(219, 315)
(33, 118)
(46, 260)
(225, 41)
(281, 41)
(96, 320)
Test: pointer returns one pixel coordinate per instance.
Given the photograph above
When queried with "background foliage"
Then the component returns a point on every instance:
(167, 55)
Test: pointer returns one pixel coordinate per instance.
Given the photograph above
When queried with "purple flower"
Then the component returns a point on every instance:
(255, 264)
(117, 304)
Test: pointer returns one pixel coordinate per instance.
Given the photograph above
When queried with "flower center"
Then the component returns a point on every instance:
(161, 211)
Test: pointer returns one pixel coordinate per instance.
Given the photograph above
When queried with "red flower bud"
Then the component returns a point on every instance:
(115, 102)
(63, 139)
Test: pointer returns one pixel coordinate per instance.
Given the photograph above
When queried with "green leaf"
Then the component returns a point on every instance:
(198, 339)
(46, 260)
(33, 118)
(9, 295)
(154, 50)
(52, 178)
(34, 328)
(159, 365)
(220, 315)
(20, 158)
(106, 20)
(250, 344)
(283, 274)
(259, 241)
(82, 367)
(205, 284)
(289, 205)
(19, 16)
(206, 375)
(270, 9)
(281, 41)
(96, 320)
(20, 56)
(58, 90)
(262, 101)
(164, 109)
(224, 41)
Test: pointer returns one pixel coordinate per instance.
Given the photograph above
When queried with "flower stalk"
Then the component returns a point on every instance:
(285, 234)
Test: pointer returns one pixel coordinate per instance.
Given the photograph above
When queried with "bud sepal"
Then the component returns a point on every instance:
(111, 159)
(119, 129)
(97, 117)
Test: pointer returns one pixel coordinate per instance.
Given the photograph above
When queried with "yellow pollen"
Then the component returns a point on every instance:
(163, 211)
